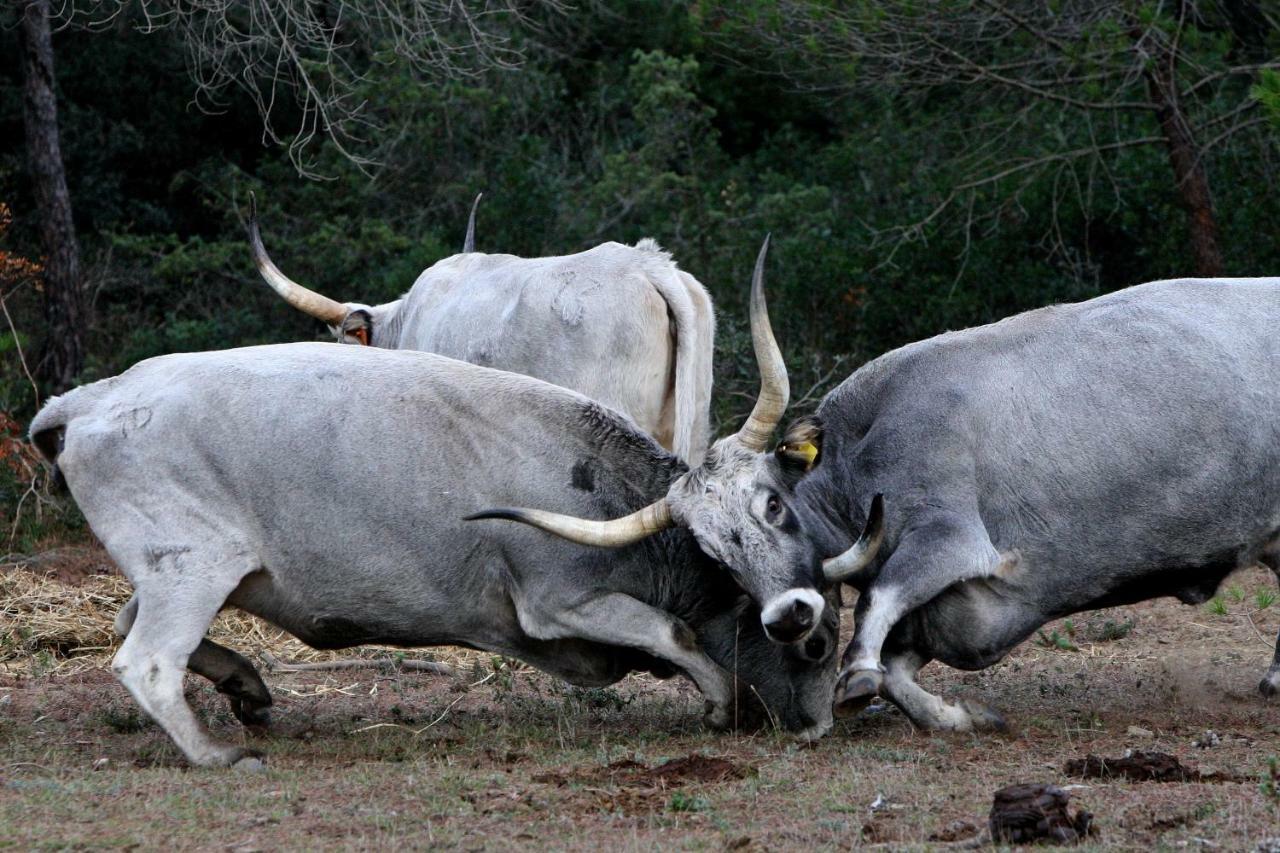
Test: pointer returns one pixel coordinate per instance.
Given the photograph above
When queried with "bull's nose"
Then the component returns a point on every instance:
(791, 616)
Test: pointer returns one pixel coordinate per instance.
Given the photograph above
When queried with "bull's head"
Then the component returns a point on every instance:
(789, 686)
(351, 323)
(739, 505)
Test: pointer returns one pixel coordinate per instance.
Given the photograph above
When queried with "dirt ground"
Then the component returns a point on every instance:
(499, 756)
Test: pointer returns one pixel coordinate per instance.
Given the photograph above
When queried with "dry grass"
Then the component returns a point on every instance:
(57, 610)
(502, 757)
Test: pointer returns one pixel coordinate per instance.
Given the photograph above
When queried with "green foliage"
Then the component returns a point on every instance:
(676, 121)
(1267, 93)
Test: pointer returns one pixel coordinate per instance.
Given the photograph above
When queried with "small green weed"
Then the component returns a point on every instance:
(124, 720)
(1054, 640)
(1270, 784)
(682, 802)
(1110, 631)
(1264, 598)
(1217, 606)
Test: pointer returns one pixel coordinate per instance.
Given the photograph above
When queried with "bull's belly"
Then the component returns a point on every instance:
(341, 618)
(322, 624)
(975, 624)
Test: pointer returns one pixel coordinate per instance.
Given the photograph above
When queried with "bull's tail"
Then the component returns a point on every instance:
(49, 426)
(695, 345)
(695, 331)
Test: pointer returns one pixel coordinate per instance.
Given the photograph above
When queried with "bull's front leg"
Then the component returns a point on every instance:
(1269, 686)
(932, 557)
(926, 710)
(620, 620)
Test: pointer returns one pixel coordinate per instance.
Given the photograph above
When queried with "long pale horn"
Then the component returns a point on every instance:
(846, 567)
(469, 243)
(307, 301)
(775, 391)
(606, 534)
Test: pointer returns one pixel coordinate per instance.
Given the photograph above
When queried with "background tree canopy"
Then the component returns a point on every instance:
(921, 165)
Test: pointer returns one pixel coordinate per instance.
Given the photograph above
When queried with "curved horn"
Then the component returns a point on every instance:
(307, 301)
(607, 534)
(469, 243)
(775, 391)
(845, 568)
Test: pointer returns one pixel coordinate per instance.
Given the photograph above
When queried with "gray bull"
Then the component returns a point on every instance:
(623, 325)
(323, 488)
(1067, 459)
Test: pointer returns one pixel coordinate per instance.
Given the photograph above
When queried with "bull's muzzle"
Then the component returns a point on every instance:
(792, 616)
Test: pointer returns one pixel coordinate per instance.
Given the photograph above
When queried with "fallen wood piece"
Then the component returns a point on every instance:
(276, 665)
(1028, 813)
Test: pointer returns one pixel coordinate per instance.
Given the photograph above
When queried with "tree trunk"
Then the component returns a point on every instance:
(1188, 169)
(62, 353)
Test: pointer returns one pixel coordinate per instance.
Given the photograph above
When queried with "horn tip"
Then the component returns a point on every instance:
(876, 513)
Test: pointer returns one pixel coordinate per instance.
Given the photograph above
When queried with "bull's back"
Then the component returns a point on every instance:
(591, 322)
(1135, 432)
(343, 472)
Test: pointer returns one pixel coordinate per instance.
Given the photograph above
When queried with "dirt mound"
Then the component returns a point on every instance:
(1021, 814)
(630, 787)
(696, 768)
(1143, 766)
(702, 769)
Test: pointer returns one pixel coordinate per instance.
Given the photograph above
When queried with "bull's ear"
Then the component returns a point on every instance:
(357, 328)
(801, 447)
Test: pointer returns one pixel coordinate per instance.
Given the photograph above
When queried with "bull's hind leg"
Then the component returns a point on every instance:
(1270, 684)
(234, 677)
(231, 673)
(178, 597)
(931, 558)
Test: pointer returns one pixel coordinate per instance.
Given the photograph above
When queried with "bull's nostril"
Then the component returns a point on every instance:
(792, 616)
(802, 613)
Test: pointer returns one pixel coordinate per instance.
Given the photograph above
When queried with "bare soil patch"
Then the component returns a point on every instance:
(498, 756)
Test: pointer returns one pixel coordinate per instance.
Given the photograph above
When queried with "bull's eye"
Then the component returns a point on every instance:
(815, 648)
(773, 508)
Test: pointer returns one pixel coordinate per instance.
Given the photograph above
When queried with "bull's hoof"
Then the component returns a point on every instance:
(855, 690)
(812, 734)
(250, 714)
(716, 716)
(1267, 687)
(983, 717)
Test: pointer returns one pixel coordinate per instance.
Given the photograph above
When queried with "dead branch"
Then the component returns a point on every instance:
(391, 664)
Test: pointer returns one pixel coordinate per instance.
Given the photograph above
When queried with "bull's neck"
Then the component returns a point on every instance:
(388, 323)
(674, 574)
(830, 509)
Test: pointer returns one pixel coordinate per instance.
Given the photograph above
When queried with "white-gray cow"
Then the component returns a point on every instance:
(1066, 459)
(622, 325)
(323, 488)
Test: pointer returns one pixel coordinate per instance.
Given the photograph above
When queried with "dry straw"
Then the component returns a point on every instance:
(57, 611)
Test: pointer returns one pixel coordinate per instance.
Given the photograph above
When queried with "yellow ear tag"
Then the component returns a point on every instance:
(807, 450)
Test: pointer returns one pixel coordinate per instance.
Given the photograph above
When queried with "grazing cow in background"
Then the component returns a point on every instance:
(623, 325)
(1067, 459)
(323, 489)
